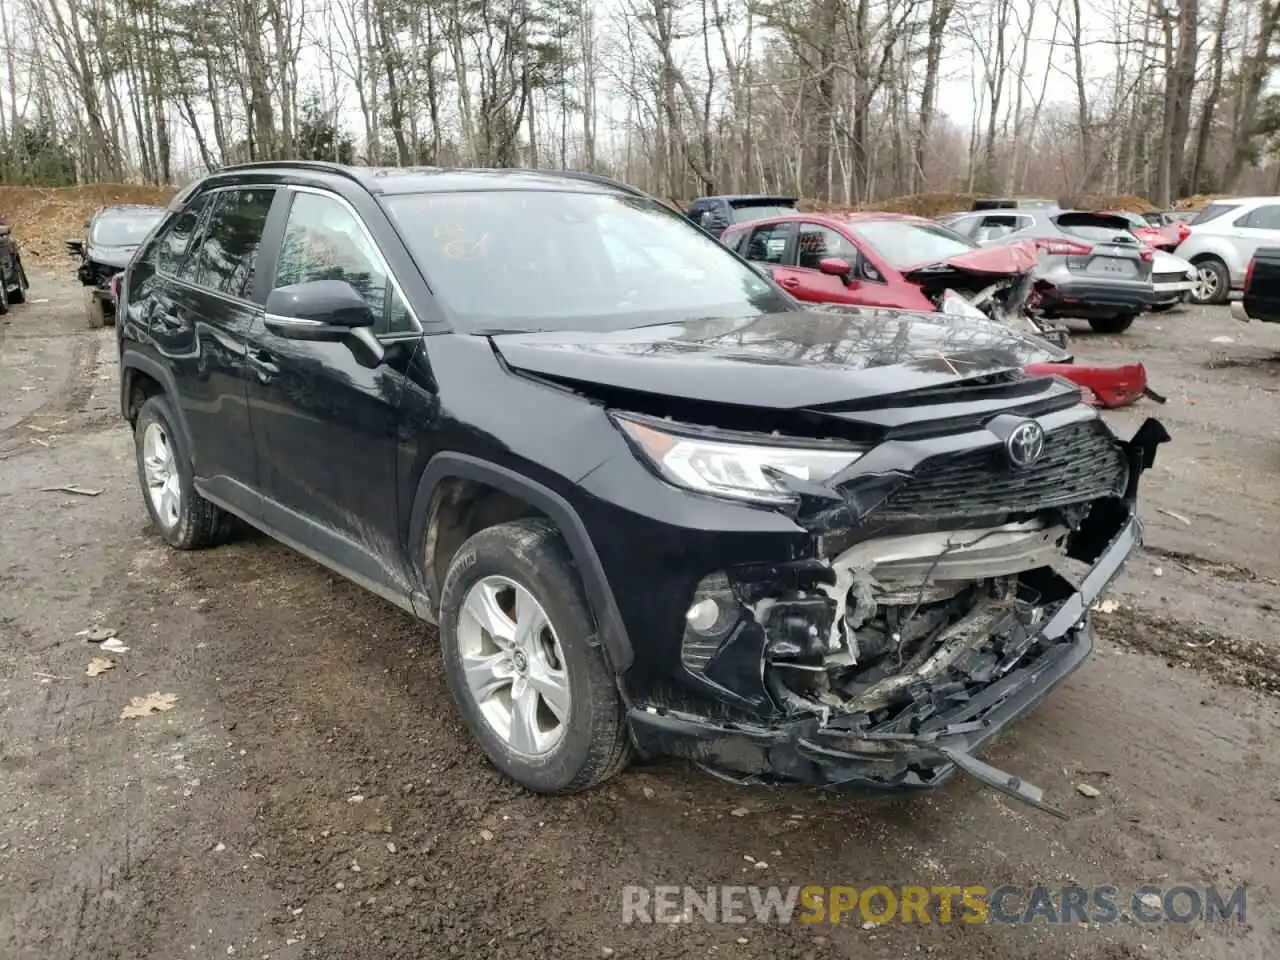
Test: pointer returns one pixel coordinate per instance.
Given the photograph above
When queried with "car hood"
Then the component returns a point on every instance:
(788, 360)
(113, 256)
(1013, 257)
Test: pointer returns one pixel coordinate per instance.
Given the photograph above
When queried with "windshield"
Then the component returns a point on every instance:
(525, 260)
(760, 211)
(123, 229)
(903, 243)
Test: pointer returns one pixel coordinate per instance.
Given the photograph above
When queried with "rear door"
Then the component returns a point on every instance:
(329, 426)
(1259, 227)
(771, 245)
(204, 308)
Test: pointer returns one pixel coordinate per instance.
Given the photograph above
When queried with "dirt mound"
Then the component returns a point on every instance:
(42, 217)
(1198, 202)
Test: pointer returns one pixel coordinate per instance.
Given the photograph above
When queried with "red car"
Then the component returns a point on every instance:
(1164, 238)
(909, 263)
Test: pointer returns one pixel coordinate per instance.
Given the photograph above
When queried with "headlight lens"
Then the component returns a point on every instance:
(746, 471)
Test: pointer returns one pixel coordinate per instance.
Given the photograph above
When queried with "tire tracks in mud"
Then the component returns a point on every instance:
(1218, 569)
(1238, 661)
(66, 403)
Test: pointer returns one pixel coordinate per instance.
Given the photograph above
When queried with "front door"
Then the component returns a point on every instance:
(816, 243)
(327, 426)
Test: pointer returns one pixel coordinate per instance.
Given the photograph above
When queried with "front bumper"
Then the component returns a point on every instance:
(1171, 292)
(838, 751)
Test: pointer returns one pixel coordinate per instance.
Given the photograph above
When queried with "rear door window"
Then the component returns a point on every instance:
(229, 249)
(171, 246)
(768, 244)
(1212, 212)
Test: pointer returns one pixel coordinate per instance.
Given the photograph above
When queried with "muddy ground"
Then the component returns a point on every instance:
(311, 793)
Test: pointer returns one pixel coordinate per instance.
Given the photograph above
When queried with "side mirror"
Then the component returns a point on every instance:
(326, 311)
(75, 247)
(835, 266)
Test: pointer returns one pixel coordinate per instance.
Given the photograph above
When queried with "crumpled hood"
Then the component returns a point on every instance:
(781, 361)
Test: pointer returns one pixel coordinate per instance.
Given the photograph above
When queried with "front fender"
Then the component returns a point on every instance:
(446, 466)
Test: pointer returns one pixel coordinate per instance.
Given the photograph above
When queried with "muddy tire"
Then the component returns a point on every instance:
(4, 297)
(1116, 324)
(522, 661)
(19, 293)
(95, 312)
(182, 517)
(1213, 282)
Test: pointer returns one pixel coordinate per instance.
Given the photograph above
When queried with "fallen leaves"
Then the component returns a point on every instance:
(99, 666)
(151, 703)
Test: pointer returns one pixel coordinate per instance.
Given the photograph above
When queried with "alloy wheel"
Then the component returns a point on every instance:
(160, 468)
(1206, 284)
(514, 665)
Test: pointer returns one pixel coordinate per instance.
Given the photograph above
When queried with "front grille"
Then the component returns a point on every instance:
(1168, 277)
(1081, 462)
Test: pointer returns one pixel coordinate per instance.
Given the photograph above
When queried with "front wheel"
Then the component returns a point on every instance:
(1116, 324)
(1212, 284)
(19, 293)
(522, 661)
(182, 517)
(95, 311)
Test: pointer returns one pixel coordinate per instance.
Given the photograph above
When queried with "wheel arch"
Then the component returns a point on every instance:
(137, 372)
(433, 498)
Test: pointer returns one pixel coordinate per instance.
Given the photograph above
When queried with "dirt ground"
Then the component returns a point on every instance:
(312, 793)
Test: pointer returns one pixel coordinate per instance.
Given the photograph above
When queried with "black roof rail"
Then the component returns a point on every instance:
(596, 178)
(316, 166)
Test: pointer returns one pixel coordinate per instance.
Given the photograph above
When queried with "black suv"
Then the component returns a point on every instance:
(652, 502)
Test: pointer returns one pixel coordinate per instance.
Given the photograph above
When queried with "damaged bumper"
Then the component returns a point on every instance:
(833, 751)
(1109, 387)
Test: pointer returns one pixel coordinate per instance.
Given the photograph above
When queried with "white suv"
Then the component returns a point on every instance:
(1223, 238)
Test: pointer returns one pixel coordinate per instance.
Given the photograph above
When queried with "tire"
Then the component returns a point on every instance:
(192, 523)
(4, 297)
(590, 744)
(1213, 282)
(1117, 324)
(19, 293)
(94, 311)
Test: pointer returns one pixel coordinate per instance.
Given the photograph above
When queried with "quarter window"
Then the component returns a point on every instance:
(172, 244)
(229, 249)
(1263, 218)
(324, 241)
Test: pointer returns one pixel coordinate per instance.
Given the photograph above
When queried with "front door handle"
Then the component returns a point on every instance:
(265, 362)
(789, 282)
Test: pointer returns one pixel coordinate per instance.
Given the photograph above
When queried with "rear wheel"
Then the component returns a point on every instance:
(1116, 324)
(19, 293)
(1213, 283)
(95, 311)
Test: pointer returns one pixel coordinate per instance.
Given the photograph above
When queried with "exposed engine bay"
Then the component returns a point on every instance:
(916, 620)
(1005, 301)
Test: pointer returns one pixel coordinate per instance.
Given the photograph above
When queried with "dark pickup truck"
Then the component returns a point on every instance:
(1261, 300)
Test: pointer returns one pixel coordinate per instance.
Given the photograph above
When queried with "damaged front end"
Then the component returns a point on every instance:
(935, 611)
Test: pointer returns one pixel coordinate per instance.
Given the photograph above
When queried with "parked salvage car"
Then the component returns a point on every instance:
(654, 504)
(1260, 299)
(114, 234)
(1091, 266)
(715, 214)
(13, 276)
(1160, 236)
(1224, 236)
(904, 262)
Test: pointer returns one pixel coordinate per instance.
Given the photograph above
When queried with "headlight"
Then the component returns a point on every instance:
(746, 471)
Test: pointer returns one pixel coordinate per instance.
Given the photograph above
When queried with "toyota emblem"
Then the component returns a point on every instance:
(1025, 443)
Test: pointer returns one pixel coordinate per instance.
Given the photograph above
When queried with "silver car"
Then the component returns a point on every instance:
(1223, 237)
(1091, 266)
